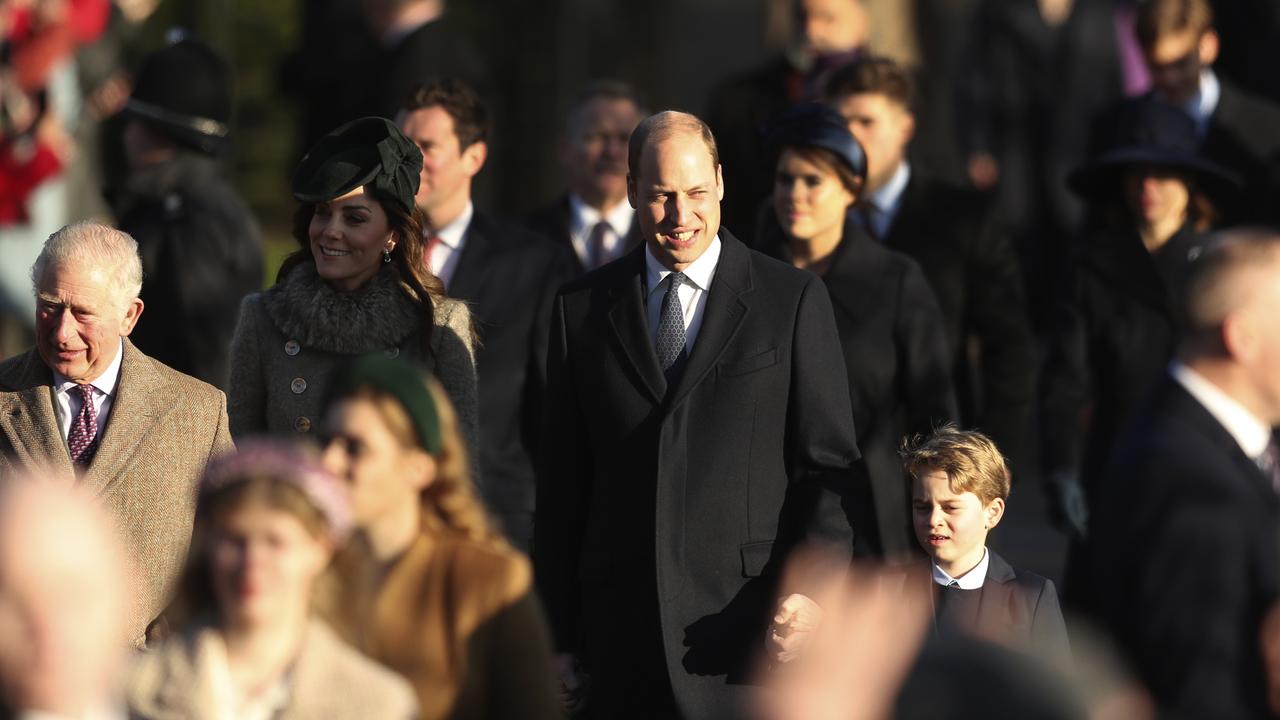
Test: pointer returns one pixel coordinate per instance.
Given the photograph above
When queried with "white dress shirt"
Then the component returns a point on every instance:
(885, 202)
(1201, 106)
(68, 402)
(443, 259)
(971, 580)
(1249, 432)
(692, 294)
(583, 219)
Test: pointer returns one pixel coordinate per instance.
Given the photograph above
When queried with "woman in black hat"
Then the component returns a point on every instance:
(889, 322)
(358, 284)
(1116, 322)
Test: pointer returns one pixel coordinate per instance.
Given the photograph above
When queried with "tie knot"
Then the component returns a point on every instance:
(678, 279)
(86, 392)
(953, 584)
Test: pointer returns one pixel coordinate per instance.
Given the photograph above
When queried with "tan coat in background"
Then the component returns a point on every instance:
(329, 681)
(460, 621)
(163, 428)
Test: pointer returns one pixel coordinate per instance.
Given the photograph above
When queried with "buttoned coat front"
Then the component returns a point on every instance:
(291, 339)
(163, 429)
(665, 514)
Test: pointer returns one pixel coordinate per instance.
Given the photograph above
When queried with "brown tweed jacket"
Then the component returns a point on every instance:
(329, 680)
(164, 426)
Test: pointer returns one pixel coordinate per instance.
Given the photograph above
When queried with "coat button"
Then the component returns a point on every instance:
(292, 348)
(302, 424)
(392, 352)
(298, 386)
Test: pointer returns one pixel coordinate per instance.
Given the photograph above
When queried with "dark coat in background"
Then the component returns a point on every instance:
(1115, 330)
(974, 275)
(508, 277)
(553, 222)
(201, 254)
(666, 513)
(1186, 559)
(898, 366)
(1028, 99)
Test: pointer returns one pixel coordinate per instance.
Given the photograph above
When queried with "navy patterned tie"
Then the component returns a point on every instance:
(83, 436)
(670, 340)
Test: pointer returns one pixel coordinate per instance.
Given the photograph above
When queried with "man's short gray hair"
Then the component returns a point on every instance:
(98, 246)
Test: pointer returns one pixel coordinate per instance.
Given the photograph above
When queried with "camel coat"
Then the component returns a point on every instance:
(291, 338)
(163, 428)
(330, 680)
(459, 620)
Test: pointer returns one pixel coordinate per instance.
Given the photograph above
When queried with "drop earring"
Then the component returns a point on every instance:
(386, 255)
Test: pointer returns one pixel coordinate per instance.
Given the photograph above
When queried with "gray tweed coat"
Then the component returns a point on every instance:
(292, 337)
(330, 679)
(163, 428)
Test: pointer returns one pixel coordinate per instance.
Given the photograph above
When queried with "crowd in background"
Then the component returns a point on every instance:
(452, 440)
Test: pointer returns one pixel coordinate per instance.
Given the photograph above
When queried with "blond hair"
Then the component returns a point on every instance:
(970, 459)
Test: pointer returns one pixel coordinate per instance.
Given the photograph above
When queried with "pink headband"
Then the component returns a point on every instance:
(260, 456)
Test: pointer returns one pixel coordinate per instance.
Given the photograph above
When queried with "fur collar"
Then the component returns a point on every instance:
(374, 317)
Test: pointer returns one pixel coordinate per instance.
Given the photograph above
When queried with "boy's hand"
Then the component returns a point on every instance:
(793, 624)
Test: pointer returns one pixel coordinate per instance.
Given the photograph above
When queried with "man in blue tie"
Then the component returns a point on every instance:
(698, 433)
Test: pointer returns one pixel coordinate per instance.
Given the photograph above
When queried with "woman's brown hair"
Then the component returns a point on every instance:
(408, 257)
(828, 161)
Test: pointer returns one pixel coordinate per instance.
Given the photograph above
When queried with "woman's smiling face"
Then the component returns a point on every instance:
(348, 236)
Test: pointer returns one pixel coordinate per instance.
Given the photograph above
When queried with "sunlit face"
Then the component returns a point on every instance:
(677, 195)
(883, 128)
(447, 168)
(596, 157)
(263, 562)
(1175, 62)
(383, 475)
(80, 318)
(952, 527)
(1156, 195)
(1257, 333)
(809, 199)
(348, 236)
(833, 26)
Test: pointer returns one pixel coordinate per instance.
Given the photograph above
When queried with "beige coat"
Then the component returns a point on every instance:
(460, 621)
(163, 428)
(329, 681)
(291, 338)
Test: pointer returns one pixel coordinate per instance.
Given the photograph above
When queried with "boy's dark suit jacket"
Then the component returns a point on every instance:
(508, 277)
(1185, 558)
(1020, 610)
(975, 275)
(899, 368)
(665, 514)
(554, 220)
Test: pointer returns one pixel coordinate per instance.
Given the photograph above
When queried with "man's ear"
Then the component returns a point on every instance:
(994, 512)
(1209, 46)
(474, 156)
(631, 192)
(133, 311)
(719, 183)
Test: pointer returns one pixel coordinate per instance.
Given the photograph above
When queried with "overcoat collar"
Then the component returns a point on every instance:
(28, 416)
(473, 265)
(725, 310)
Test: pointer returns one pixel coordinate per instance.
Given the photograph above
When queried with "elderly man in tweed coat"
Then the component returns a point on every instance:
(86, 404)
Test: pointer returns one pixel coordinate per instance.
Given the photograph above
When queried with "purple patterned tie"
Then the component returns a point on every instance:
(83, 437)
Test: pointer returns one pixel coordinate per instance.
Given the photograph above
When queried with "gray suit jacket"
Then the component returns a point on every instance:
(163, 428)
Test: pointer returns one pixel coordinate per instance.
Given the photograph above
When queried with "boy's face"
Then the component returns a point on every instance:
(952, 527)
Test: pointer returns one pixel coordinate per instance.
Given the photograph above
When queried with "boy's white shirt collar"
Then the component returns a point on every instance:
(971, 580)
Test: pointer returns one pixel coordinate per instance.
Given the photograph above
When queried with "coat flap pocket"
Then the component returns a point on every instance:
(751, 363)
(754, 557)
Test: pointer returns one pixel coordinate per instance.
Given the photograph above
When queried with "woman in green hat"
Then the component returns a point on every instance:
(357, 284)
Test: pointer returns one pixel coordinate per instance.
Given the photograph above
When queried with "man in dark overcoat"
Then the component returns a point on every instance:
(698, 432)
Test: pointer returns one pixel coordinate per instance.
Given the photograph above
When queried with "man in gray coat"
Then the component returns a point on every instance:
(86, 404)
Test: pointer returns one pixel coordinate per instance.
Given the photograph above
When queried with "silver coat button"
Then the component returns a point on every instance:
(302, 424)
(292, 348)
(298, 386)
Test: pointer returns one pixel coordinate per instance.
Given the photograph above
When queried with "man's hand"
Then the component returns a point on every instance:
(793, 625)
(573, 683)
(1068, 508)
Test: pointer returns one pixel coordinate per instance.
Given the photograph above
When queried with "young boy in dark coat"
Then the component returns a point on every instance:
(959, 486)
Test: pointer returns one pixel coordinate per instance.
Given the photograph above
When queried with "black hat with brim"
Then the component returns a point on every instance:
(1153, 134)
(817, 125)
(183, 91)
(368, 151)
